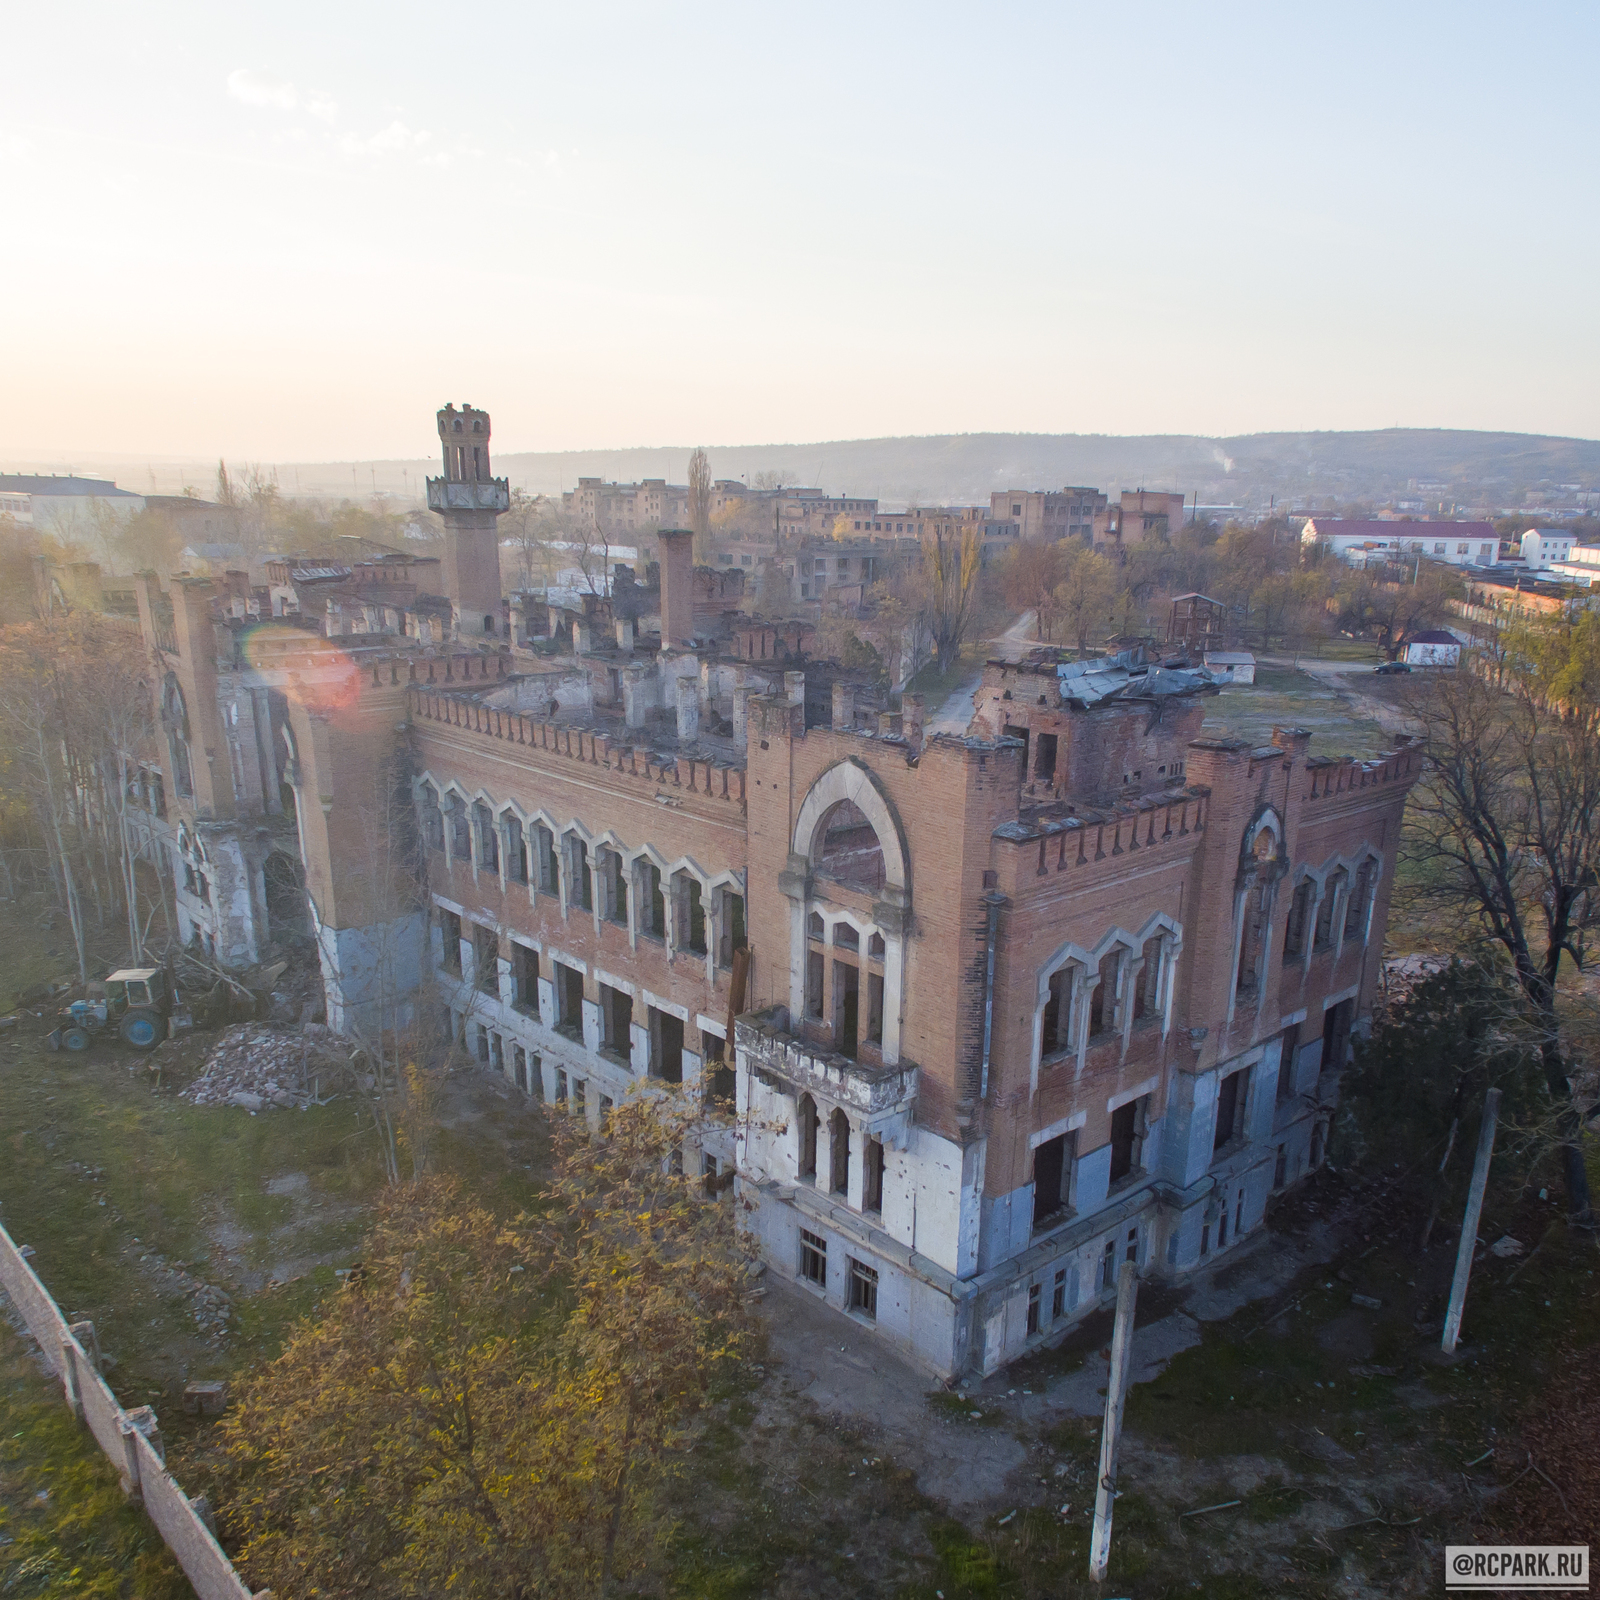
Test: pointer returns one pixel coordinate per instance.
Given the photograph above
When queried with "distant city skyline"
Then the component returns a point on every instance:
(289, 238)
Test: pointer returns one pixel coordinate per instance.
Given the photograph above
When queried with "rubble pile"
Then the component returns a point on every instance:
(212, 1307)
(254, 1066)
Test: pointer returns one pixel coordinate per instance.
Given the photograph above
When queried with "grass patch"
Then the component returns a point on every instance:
(66, 1532)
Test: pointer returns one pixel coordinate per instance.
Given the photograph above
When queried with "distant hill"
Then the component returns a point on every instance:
(1295, 469)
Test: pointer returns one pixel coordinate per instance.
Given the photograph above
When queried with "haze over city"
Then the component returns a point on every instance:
(277, 235)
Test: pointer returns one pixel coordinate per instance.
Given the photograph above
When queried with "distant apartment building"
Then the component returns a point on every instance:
(619, 509)
(65, 505)
(1050, 514)
(1580, 566)
(1462, 544)
(1544, 547)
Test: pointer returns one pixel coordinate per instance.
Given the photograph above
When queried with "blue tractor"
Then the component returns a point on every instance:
(137, 1003)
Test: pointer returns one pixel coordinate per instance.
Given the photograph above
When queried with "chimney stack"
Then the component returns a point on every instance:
(676, 555)
(844, 706)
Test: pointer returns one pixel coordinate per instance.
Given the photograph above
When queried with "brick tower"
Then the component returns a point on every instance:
(470, 501)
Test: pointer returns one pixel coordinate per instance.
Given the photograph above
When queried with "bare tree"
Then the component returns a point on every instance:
(1504, 833)
(700, 500)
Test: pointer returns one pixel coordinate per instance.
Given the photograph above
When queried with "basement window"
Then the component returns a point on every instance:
(814, 1258)
(864, 1289)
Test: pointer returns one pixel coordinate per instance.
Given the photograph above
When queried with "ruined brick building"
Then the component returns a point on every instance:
(973, 1018)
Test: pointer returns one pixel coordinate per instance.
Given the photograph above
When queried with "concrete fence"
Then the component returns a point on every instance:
(130, 1439)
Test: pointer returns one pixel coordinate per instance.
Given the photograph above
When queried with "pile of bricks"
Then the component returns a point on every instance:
(255, 1067)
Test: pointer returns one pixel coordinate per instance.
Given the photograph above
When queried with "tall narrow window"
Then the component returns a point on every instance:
(1053, 1167)
(613, 888)
(450, 937)
(872, 1176)
(580, 878)
(839, 1153)
(488, 838)
(1330, 907)
(666, 1046)
(1103, 999)
(432, 819)
(1044, 766)
(733, 932)
(1127, 1138)
(807, 1118)
(1294, 928)
(864, 1289)
(689, 932)
(460, 830)
(1230, 1107)
(1147, 997)
(813, 1258)
(544, 852)
(1287, 1046)
(485, 959)
(569, 1000)
(1355, 916)
(516, 849)
(1055, 1034)
(652, 902)
(616, 1017)
(815, 967)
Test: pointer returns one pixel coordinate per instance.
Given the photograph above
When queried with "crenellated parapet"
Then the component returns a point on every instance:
(626, 762)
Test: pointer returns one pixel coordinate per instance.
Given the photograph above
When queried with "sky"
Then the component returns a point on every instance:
(291, 232)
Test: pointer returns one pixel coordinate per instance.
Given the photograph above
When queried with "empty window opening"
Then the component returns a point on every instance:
(1132, 1253)
(485, 959)
(689, 915)
(847, 1007)
(847, 849)
(732, 936)
(1287, 1046)
(1336, 1035)
(652, 902)
(1222, 1229)
(544, 854)
(875, 1008)
(1058, 1296)
(563, 1094)
(525, 978)
(481, 1043)
(488, 839)
(1102, 999)
(1252, 937)
(1280, 1169)
(580, 877)
(1127, 1137)
(1055, 1035)
(808, 1120)
(864, 1289)
(1294, 927)
(432, 819)
(1331, 893)
(569, 1000)
(450, 937)
(1147, 996)
(1108, 1265)
(1044, 762)
(1033, 1308)
(580, 1095)
(616, 1017)
(815, 967)
(1054, 1162)
(666, 1046)
(460, 829)
(1205, 1239)
(814, 1258)
(1238, 1215)
(845, 937)
(516, 850)
(1013, 732)
(722, 1081)
(1230, 1109)
(839, 1153)
(872, 1175)
(613, 888)
(1355, 916)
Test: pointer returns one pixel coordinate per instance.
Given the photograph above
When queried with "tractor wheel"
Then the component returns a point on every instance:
(74, 1038)
(141, 1029)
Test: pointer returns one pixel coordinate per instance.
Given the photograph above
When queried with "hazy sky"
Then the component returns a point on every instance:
(292, 231)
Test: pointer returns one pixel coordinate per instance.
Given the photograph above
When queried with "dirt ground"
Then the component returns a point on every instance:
(193, 1236)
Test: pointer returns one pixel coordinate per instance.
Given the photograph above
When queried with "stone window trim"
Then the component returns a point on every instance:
(836, 939)
(1119, 958)
(1336, 909)
(565, 839)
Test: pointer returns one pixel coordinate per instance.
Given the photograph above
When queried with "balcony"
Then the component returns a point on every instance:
(444, 494)
(879, 1096)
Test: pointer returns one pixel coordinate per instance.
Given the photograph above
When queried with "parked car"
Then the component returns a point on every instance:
(1389, 668)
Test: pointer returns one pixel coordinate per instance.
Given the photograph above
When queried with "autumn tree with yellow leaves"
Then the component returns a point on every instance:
(493, 1408)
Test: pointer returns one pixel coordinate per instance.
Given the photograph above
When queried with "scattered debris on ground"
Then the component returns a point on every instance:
(254, 1066)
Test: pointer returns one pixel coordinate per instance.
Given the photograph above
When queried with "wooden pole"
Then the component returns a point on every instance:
(1469, 1223)
(1110, 1437)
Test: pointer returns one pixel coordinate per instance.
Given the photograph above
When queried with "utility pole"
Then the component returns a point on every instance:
(1469, 1223)
(1111, 1434)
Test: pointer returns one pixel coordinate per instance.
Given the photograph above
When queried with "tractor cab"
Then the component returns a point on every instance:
(137, 1002)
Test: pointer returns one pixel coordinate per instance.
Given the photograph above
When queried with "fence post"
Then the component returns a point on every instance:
(70, 1381)
(132, 1423)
